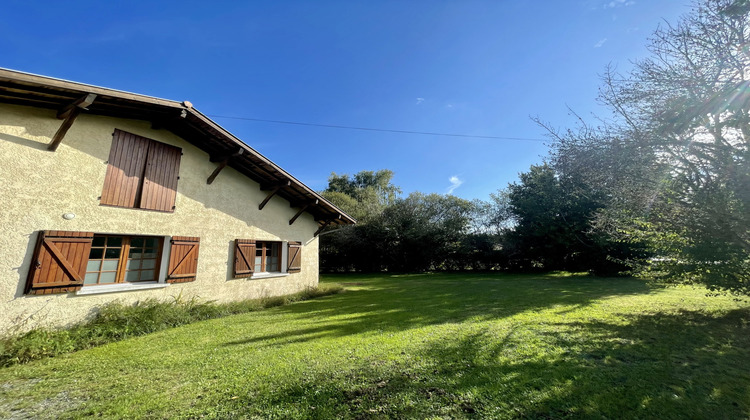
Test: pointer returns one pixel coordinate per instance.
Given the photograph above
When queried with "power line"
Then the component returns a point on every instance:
(346, 127)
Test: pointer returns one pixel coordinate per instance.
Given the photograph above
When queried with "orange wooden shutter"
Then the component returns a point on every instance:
(160, 177)
(127, 160)
(295, 257)
(59, 262)
(183, 259)
(244, 257)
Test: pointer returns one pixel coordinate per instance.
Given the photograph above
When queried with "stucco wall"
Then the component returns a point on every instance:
(37, 187)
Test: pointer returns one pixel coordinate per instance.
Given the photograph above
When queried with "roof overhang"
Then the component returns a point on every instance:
(182, 119)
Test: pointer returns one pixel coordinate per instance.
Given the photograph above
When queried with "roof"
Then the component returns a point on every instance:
(182, 119)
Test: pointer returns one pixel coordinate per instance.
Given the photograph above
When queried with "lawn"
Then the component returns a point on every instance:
(421, 346)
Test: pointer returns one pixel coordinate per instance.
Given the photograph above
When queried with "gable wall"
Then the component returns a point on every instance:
(39, 186)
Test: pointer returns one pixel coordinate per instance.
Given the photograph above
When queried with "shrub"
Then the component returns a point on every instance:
(116, 321)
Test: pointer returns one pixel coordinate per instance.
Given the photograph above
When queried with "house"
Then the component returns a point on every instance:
(108, 195)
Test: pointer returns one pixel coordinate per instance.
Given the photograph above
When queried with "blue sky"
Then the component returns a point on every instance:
(468, 67)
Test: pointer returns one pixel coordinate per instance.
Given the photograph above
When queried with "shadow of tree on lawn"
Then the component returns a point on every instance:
(396, 303)
(685, 365)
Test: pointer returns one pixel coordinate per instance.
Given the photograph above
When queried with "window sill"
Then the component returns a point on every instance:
(121, 287)
(268, 275)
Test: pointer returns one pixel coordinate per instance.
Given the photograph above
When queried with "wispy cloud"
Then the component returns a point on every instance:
(455, 183)
(600, 43)
(420, 100)
(618, 3)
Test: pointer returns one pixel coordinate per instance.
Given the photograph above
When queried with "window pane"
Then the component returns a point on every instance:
(136, 242)
(112, 253)
(136, 252)
(93, 266)
(150, 253)
(134, 264)
(148, 264)
(151, 242)
(110, 265)
(131, 276)
(96, 254)
(98, 241)
(90, 278)
(107, 277)
(147, 275)
(114, 241)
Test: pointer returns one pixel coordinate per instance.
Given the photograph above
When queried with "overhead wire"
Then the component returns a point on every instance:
(385, 130)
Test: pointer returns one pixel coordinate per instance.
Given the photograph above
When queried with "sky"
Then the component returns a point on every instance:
(474, 68)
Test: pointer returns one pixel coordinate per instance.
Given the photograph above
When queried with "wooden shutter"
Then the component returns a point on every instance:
(183, 259)
(142, 173)
(127, 160)
(160, 177)
(59, 262)
(244, 257)
(295, 257)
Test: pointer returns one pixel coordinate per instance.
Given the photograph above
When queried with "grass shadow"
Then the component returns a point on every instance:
(394, 303)
(684, 365)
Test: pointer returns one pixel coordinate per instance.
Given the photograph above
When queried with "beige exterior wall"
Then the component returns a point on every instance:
(37, 187)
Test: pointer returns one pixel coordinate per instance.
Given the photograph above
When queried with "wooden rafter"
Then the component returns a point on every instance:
(301, 210)
(323, 226)
(274, 190)
(69, 113)
(223, 162)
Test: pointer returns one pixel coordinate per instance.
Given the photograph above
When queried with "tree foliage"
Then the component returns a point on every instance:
(674, 162)
(552, 214)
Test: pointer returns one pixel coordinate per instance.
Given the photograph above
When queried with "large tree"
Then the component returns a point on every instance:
(674, 161)
(552, 215)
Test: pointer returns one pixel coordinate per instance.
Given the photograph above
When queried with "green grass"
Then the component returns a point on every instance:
(420, 346)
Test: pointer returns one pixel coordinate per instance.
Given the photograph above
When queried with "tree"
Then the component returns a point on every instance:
(552, 216)
(674, 163)
(423, 231)
(364, 196)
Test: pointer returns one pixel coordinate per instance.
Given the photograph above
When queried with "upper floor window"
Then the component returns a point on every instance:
(141, 174)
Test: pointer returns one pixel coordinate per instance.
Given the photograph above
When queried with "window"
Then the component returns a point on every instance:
(118, 259)
(66, 261)
(141, 173)
(267, 257)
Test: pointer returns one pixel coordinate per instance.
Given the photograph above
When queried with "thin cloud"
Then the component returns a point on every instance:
(618, 3)
(455, 183)
(600, 43)
(420, 100)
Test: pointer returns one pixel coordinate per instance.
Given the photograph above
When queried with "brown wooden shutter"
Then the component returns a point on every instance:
(295, 257)
(244, 257)
(160, 177)
(59, 262)
(183, 259)
(127, 160)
